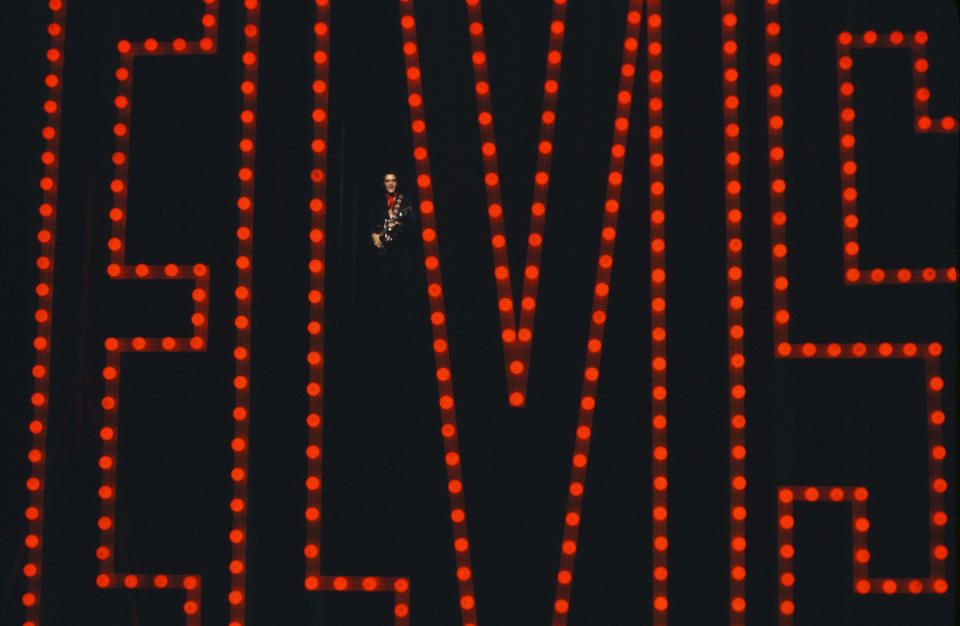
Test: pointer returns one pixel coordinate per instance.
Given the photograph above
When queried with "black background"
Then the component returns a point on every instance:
(385, 505)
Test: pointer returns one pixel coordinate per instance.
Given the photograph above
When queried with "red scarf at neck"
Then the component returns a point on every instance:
(391, 200)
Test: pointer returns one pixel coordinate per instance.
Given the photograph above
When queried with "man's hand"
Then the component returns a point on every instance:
(376, 240)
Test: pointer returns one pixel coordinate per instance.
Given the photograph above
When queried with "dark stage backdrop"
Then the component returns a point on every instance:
(883, 423)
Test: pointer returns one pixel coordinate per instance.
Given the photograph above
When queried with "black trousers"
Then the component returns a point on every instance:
(393, 290)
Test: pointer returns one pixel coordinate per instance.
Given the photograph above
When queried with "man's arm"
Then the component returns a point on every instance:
(375, 218)
(413, 216)
(375, 221)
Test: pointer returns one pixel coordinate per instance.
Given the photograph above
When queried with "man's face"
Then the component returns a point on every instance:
(390, 183)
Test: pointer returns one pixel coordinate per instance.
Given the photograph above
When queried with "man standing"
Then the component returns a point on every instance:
(393, 244)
